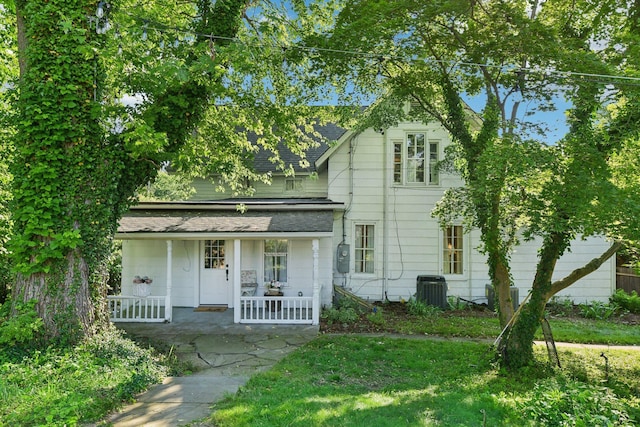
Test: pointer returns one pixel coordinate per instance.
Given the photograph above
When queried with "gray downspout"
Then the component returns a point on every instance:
(385, 206)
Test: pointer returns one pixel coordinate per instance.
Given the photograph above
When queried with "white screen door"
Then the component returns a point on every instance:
(214, 283)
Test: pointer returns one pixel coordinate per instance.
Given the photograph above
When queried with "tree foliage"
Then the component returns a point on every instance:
(104, 100)
(517, 59)
(8, 72)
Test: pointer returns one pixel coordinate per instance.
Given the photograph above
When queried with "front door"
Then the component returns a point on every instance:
(214, 273)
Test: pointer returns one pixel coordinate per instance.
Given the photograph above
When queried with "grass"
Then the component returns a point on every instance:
(415, 380)
(593, 332)
(422, 379)
(57, 387)
(377, 381)
(572, 330)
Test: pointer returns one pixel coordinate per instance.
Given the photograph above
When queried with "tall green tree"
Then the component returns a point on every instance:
(517, 57)
(82, 152)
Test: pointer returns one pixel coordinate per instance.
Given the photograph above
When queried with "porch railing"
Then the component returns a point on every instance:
(124, 308)
(275, 309)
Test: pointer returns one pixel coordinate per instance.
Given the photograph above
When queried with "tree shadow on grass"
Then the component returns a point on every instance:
(348, 381)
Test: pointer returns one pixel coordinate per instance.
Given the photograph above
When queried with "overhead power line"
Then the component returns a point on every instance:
(148, 25)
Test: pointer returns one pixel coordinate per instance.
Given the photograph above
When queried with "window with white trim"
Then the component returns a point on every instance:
(292, 185)
(364, 248)
(415, 160)
(452, 250)
(275, 260)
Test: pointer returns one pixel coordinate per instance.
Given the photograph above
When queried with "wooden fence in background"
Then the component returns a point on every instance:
(627, 279)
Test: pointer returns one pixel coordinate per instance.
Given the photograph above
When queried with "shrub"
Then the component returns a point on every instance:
(65, 386)
(562, 402)
(376, 317)
(419, 308)
(6, 276)
(562, 307)
(456, 304)
(340, 315)
(628, 302)
(598, 310)
(21, 331)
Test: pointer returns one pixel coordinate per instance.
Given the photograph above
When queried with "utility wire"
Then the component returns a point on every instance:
(606, 78)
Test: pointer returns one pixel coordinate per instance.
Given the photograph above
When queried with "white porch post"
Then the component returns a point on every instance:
(236, 281)
(168, 307)
(315, 309)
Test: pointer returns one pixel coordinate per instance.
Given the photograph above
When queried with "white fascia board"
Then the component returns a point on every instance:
(327, 154)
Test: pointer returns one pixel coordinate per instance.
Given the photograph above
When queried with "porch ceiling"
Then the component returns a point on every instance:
(207, 221)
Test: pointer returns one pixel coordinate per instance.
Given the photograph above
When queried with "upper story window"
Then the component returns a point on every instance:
(292, 185)
(364, 248)
(452, 250)
(415, 159)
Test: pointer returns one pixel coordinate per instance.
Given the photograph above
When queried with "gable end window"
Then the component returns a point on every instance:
(364, 248)
(292, 185)
(415, 160)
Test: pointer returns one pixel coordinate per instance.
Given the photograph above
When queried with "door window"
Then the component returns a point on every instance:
(214, 254)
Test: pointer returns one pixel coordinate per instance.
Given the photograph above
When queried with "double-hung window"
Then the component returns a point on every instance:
(275, 260)
(452, 250)
(364, 248)
(415, 160)
(293, 185)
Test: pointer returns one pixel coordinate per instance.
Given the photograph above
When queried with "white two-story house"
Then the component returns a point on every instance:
(359, 217)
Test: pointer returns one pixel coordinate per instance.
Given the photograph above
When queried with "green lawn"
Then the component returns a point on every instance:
(575, 330)
(374, 381)
(417, 379)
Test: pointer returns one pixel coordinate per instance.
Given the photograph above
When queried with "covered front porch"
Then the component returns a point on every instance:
(271, 267)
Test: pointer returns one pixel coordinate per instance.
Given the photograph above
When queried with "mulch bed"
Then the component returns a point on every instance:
(396, 313)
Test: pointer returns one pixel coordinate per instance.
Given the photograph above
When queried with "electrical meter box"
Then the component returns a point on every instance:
(342, 264)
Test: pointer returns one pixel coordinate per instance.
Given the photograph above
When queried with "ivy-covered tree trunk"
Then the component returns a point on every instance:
(484, 190)
(518, 347)
(501, 282)
(67, 174)
(73, 176)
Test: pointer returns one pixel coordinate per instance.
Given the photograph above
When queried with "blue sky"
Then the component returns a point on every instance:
(555, 120)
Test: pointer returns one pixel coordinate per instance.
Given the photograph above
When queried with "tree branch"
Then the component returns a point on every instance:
(581, 272)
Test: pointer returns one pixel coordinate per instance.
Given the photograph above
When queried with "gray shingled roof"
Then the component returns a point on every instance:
(329, 132)
(226, 221)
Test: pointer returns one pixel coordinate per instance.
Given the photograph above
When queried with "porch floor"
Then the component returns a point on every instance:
(187, 320)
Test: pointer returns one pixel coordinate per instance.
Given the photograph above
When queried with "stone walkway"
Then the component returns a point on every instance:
(225, 354)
